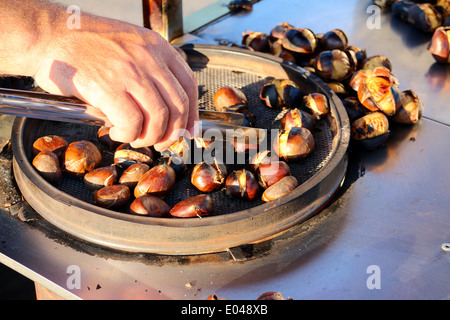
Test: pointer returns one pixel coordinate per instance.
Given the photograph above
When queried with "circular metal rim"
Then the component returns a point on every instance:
(188, 236)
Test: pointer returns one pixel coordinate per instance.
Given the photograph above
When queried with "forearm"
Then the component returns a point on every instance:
(27, 28)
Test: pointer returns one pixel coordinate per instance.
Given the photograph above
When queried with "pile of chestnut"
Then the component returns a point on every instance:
(366, 85)
(428, 16)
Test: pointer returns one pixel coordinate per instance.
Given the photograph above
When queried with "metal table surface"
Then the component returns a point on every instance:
(383, 237)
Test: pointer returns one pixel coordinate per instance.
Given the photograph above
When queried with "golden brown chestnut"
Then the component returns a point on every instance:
(226, 97)
(281, 94)
(101, 177)
(197, 206)
(294, 144)
(317, 104)
(175, 162)
(131, 175)
(301, 40)
(112, 197)
(81, 157)
(126, 155)
(377, 89)
(280, 188)
(104, 138)
(151, 206)
(208, 177)
(158, 181)
(440, 45)
(268, 174)
(297, 118)
(334, 39)
(242, 184)
(48, 166)
(335, 65)
(53, 143)
(371, 130)
(264, 156)
(258, 41)
(411, 109)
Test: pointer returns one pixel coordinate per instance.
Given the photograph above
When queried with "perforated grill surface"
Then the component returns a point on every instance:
(210, 80)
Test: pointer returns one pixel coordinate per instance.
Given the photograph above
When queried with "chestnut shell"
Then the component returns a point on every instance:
(226, 97)
(53, 143)
(294, 144)
(81, 157)
(197, 206)
(131, 176)
(280, 188)
(100, 177)
(148, 205)
(126, 155)
(268, 174)
(208, 177)
(158, 181)
(242, 184)
(111, 197)
(48, 166)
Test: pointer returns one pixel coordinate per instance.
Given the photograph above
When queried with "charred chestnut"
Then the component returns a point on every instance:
(198, 206)
(81, 157)
(100, 177)
(281, 94)
(371, 130)
(373, 62)
(440, 45)
(411, 108)
(268, 174)
(317, 104)
(111, 197)
(354, 108)
(126, 155)
(48, 166)
(280, 188)
(148, 205)
(131, 176)
(360, 55)
(53, 143)
(158, 181)
(242, 184)
(227, 97)
(294, 144)
(208, 177)
(297, 118)
(335, 65)
(279, 31)
(104, 138)
(300, 40)
(258, 41)
(425, 17)
(334, 39)
(377, 89)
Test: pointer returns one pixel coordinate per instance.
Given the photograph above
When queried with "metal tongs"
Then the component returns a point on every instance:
(46, 106)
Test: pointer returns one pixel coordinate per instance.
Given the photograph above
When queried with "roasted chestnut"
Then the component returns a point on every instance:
(279, 31)
(425, 17)
(131, 175)
(354, 108)
(300, 40)
(198, 206)
(148, 205)
(258, 41)
(260, 157)
(242, 184)
(297, 118)
(371, 130)
(334, 39)
(360, 55)
(375, 62)
(411, 108)
(81, 157)
(280, 188)
(126, 155)
(48, 166)
(158, 181)
(53, 143)
(440, 45)
(100, 177)
(335, 65)
(317, 104)
(174, 161)
(112, 197)
(226, 97)
(400, 9)
(268, 174)
(104, 138)
(339, 88)
(377, 89)
(294, 144)
(281, 94)
(208, 177)
(271, 295)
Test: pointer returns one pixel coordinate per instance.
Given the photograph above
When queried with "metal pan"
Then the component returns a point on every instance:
(69, 206)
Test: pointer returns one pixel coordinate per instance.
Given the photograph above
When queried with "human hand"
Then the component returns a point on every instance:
(133, 75)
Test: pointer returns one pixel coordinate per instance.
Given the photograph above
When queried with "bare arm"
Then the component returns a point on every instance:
(132, 74)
